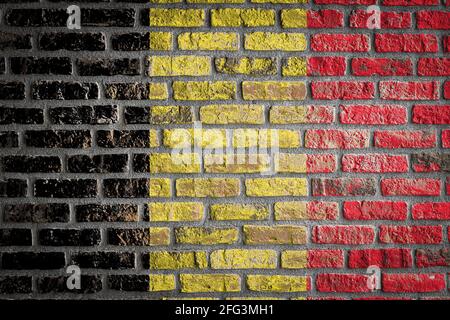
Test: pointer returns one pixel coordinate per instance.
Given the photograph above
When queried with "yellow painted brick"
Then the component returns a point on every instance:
(206, 235)
(208, 41)
(177, 260)
(238, 163)
(175, 211)
(215, 1)
(294, 67)
(159, 187)
(206, 138)
(279, 1)
(174, 163)
(264, 41)
(232, 114)
(160, 41)
(290, 163)
(161, 282)
(210, 283)
(243, 259)
(246, 65)
(288, 114)
(160, 66)
(294, 18)
(279, 234)
(292, 210)
(204, 90)
(154, 142)
(159, 236)
(158, 91)
(171, 115)
(245, 138)
(294, 259)
(273, 90)
(277, 283)
(274, 187)
(190, 298)
(239, 211)
(234, 17)
(165, 1)
(176, 17)
(212, 187)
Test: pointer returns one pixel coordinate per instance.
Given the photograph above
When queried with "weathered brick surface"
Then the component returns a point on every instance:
(116, 140)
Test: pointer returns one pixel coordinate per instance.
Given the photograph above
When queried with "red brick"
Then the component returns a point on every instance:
(373, 115)
(388, 19)
(340, 282)
(410, 2)
(375, 210)
(386, 42)
(431, 211)
(326, 66)
(336, 187)
(433, 257)
(325, 259)
(344, 90)
(383, 258)
(430, 162)
(340, 42)
(405, 139)
(446, 90)
(446, 138)
(410, 187)
(433, 67)
(374, 163)
(446, 43)
(431, 114)
(351, 235)
(325, 18)
(447, 190)
(322, 210)
(381, 67)
(411, 234)
(317, 163)
(433, 20)
(336, 139)
(413, 90)
(413, 282)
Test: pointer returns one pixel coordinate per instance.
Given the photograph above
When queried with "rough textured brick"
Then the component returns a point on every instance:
(272, 90)
(264, 41)
(404, 139)
(342, 90)
(336, 139)
(65, 188)
(246, 65)
(375, 210)
(396, 90)
(89, 285)
(340, 42)
(231, 17)
(175, 211)
(381, 67)
(433, 257)
(431, 211)
(210, 283)
(104, 260)
(36, 213)
(388, 19)
(413, 282)
(410, 187)
(374, 163)
(72, 41)
(160, 17)
(411, 234)
(373, 114)
(243, 259)
(278, 283)
(390, 42)
(383, 258)
(301, 210)
(275, 235)
(433, 19)
(342, 282)
(206, 236)
(208, 41)
(270, 187)
(349, 235)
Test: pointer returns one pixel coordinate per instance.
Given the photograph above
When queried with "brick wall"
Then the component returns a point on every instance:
(355, 122)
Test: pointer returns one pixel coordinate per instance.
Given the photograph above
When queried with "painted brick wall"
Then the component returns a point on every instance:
(355, 121)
